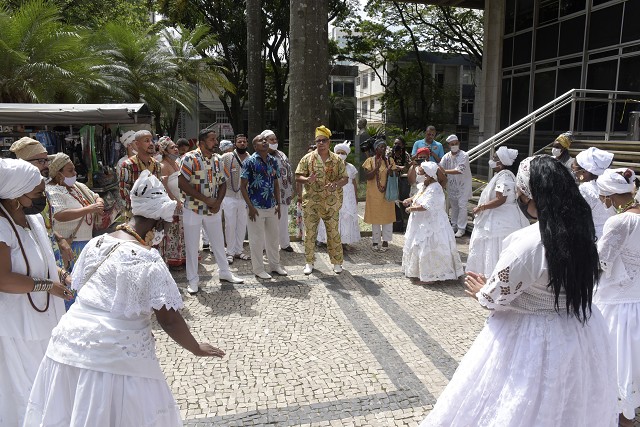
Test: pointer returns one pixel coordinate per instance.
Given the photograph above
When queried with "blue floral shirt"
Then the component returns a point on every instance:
(261, 177)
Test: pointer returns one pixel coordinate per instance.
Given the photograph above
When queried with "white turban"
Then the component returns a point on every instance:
(430, 168)
(523, 177)
(594, 160)
(149, 198)
(343, 146)
(612, 181)
(127, 138)
(17, 178)
(507, 155)
(267, 133)
(452, 138)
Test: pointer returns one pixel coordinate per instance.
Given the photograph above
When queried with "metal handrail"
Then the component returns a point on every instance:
(529, 121)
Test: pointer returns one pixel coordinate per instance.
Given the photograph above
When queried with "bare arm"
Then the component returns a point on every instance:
(72, 214)
(491, 204)
(174, 325)
(253, 212)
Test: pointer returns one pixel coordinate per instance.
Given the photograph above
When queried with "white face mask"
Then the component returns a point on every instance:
(273, 146)
(420, 179)
(158, 235)
(455, 148)
(493, 164)
(70, 181)
(343, 157)
(555, 152)
(158, 157)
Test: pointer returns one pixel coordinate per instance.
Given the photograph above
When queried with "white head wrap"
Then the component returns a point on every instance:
(430, 168)
(149, 198)
(452, 138)
(523, 177)
(507, 155)
(613, 182)
(343, 146)
(17, 178)
(267, 133)
(594, 160)
(127, 138)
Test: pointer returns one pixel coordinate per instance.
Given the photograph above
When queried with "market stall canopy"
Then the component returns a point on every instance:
(72, 114)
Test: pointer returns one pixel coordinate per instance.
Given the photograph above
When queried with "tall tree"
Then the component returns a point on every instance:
(255, 71)
(309, 65)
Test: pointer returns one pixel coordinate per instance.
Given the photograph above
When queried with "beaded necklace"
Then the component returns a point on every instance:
(130, 231)
(233, 187)
(88, 219)
(630, 205)
(381, 188)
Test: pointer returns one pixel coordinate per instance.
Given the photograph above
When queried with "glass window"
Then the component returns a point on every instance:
(364, 106)
(605, 27)
(628, 78)
(567, 7)
(548, 11)
(505, 103)
(372, 104)
(467, 106)
(509, 14)
(547, 42)
(337, 88)
(349, 89)
(568, 78)
(507, 52)
(544, 91)
(520, 98)
(522, 49)
(365, 80)
(468, 76)
(373, 76)
(524, 14)
(602, 75)
(630, 27)
(572, 36)
(357, 81)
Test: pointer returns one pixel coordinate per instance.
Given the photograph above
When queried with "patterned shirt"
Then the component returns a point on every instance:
(326, 172)
(130, 171)
(261, 178)
(205, 175)
(286, 180)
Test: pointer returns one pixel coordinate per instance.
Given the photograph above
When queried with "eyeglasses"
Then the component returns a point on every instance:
(322, 140)
(40, 161)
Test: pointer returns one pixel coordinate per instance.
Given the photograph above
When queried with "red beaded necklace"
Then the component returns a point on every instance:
(88, 219)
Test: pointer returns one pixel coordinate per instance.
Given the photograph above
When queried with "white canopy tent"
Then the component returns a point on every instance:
(73, 114)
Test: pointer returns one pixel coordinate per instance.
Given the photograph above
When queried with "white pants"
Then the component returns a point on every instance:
(212, 224)
(284, 227)
(263, 234)
(235, 223)
(458, 204)
(385, 229)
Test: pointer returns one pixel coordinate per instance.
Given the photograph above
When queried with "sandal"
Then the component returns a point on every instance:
(230, 259)
(243, 256)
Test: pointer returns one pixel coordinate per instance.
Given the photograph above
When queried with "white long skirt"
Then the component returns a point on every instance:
(66, 396)
(623, 322)
(527, 370)
(484, 252)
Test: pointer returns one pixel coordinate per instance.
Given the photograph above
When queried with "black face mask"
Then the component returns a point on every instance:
(241, 150)
(37, 205)
(524, 209)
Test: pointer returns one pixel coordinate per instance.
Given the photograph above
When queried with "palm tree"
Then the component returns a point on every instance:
(41, 57)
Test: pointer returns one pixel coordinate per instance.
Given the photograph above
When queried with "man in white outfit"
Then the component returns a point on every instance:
(456, 165)
(233, 205)
(203, 185)
(287, 184)
(261, 193)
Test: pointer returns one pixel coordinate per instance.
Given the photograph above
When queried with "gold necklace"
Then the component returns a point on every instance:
(130, 231)
(631, 204)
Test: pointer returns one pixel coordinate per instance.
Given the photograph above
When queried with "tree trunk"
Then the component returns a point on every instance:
(255, 75)
(308, 74)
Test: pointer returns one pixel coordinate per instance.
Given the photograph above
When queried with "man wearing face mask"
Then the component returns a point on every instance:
(234, 207)
(203, 187)
(287, 184)
(456, 165)
(134, 165)
(560, 149)
(33, 151)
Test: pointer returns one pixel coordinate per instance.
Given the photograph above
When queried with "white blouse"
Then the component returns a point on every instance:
(60, 199)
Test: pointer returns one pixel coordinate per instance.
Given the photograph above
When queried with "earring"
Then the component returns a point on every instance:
(581, 177)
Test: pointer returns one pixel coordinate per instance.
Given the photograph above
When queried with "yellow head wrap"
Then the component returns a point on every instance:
(26, 148)
(323, 131)
(565, 139)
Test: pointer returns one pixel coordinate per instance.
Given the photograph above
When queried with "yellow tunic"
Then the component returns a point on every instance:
(377, 209)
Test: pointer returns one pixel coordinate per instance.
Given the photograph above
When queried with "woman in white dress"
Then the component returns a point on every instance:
(618, 293)
(543, 357)
(31, 295)
(496, 216)
(348, 222)
(430, 253)
(587, 166)
(100, 368)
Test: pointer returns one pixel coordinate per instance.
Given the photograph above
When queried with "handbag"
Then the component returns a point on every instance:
(392, 192)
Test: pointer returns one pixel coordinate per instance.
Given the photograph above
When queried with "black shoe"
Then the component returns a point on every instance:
(287, 249)
(205, 246)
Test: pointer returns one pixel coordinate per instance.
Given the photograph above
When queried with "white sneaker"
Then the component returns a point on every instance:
(459, 233)
(337, 268)
(263, 275)
(280, 271)
(308, 269)
(192, 288)
(230, 277)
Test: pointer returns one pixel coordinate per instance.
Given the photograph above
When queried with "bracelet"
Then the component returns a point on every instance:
(62, 275)
(41, 285)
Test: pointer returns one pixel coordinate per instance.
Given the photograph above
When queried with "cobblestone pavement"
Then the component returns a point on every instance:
(364, 348)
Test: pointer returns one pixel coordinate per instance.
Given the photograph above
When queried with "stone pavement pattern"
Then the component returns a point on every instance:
(364, 348)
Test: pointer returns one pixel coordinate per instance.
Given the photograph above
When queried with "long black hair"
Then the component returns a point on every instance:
(568, 235)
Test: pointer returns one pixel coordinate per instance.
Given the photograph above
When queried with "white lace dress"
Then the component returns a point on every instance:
(430, 251)
(530, 366)
(348, 223)
(100, 367)
(491, 226)
(590, 193)
(618, 298)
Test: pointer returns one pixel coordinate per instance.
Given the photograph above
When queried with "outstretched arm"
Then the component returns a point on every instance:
(174, 325)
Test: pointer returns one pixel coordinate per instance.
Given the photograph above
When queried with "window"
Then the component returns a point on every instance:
(357, 81)
(373, 76)
(365, 80)
(468, 76)
(467, 106)
(349, 89)
(364, 105)
(372, 104)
